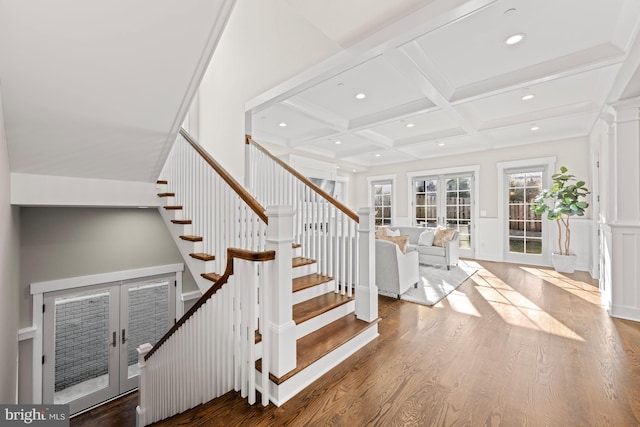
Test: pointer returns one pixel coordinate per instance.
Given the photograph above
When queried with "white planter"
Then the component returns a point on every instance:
(564, 263)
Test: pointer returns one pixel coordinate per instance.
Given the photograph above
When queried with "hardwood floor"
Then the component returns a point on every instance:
(514, 345)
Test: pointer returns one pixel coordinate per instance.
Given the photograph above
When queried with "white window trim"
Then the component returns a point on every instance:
(40, 288)
(549, 163)
(394, 189)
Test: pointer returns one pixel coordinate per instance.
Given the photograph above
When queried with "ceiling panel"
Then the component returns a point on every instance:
(299, 127)
(586, 90)
(473, 49)
(412, 126)
(371, 159)
(384, 87)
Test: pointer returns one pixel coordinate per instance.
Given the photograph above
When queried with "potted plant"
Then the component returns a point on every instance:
(563, 200)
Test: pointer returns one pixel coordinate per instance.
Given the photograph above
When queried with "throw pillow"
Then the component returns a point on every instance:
(401, 241)
(426, 238)
(442, 236)
(381, 231)
(393, 233)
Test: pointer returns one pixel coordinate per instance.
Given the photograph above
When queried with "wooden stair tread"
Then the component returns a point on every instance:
(191, 238)
(211, 276)
(317, 344)
(173, 208)
(300, 261)
(202, 256)
(296, 245)
(313, 307)
(181, 221)
(162, 181)
(309, 281)
(166, 194)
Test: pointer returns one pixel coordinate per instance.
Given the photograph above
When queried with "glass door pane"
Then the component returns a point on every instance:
(458, 208)
(525, 227)
(145, 310)
(80, 349)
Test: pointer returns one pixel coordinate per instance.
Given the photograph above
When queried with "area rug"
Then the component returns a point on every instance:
(436, 282)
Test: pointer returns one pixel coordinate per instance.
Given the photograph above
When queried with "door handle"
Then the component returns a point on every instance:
(124, 339)
(113, 341)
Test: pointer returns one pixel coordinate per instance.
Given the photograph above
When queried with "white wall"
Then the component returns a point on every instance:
(9, 244)
(265, 43)
(573, 153)
(57, 243)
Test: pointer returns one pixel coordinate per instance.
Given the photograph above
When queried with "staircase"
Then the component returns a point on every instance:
(313, 317)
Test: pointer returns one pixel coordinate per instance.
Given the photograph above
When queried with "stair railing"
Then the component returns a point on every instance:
(221, 210)
(324, 227)
(211, 350)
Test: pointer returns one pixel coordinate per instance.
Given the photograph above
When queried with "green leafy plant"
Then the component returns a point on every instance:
(562, 201)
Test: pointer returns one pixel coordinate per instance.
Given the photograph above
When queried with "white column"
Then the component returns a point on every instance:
(143, 386)
(282, 329)
(366, 291)
(624, 224)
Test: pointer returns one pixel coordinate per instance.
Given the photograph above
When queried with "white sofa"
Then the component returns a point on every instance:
(432, 255)
(395, 272)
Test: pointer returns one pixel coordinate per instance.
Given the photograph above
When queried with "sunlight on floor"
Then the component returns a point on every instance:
(583, 290)
(515, 308)
(460, 302)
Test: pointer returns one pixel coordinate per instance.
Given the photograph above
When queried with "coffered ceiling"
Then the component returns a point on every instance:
(449, 82)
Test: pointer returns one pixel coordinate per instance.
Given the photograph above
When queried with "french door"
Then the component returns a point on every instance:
(91, 335)
(446, 200)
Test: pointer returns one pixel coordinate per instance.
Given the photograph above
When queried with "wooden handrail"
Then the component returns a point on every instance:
(231, 254)
(351, 214)
(239, 189)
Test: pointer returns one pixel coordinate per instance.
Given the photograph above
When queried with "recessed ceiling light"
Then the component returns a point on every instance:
(338, 142)
(377, 155)
(337, 167)
(535, 127)
(360, 95)
(441, 144)
(283, 125)
(514, 39)
(354, 170)
(410, 125)
(528, 96)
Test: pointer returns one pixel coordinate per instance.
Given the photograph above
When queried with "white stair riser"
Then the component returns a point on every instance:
(296, 252)
(324, 319)
(280, 394)
(304, 270)
(168, 201)
(314, 291)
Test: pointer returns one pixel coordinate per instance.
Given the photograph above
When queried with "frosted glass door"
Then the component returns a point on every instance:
(145, 317)
(81, 348)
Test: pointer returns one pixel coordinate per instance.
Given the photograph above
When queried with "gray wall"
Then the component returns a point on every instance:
(9, 244)
(57, 243)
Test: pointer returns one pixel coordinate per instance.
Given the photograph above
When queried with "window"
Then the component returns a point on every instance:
(382, 193)
(525, 227)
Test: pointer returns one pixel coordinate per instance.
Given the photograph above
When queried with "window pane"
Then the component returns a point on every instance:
(516, 195)
(419, 199)
(432, 185)
(534, 247)
(419, 212)
(420, 185)
(532, 193)
(516, 245)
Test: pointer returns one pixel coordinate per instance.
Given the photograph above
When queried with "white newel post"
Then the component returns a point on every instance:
(143, 390)
(366, 290)
(282, 328)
